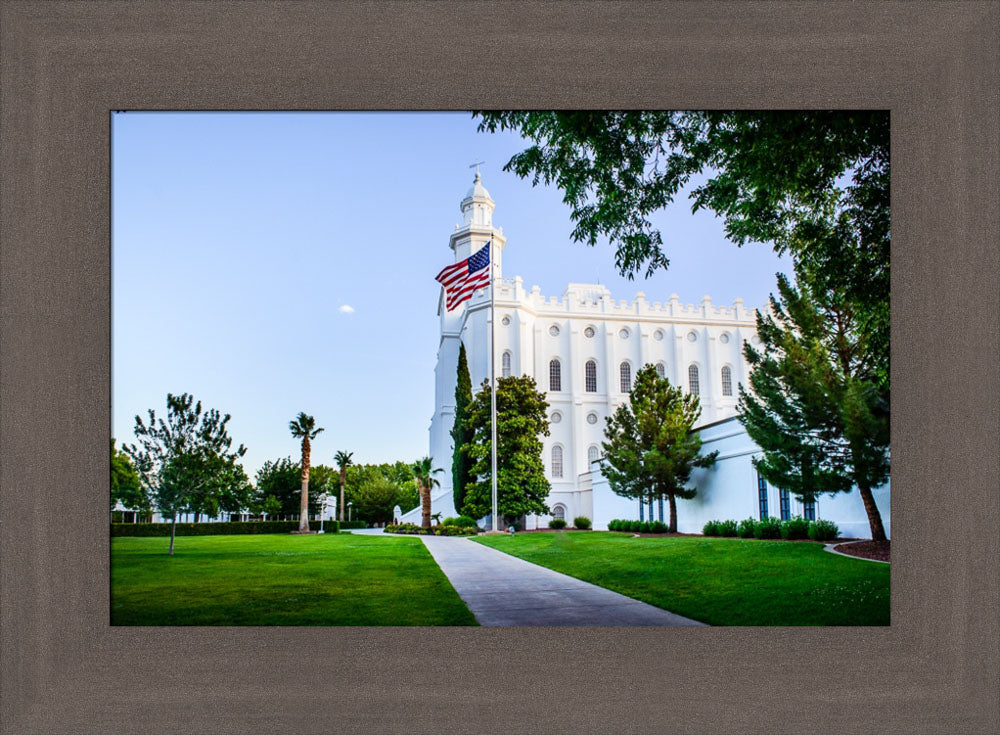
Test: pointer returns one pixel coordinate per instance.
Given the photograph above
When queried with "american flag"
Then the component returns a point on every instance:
(461, 279)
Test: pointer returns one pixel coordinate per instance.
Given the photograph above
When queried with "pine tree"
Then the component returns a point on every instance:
(461, 433)
(651, 449)
(522, 417)
(818, 404)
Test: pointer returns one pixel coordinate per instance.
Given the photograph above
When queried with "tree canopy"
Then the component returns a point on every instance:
(187, 462)
(126, 488)
(522, 418)
(813, 183)
(816, 404)
(650, 448)
(282, 480)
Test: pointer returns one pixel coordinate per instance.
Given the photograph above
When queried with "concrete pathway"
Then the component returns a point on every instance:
(503, 590)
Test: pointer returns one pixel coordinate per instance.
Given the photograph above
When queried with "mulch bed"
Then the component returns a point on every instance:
(877, 550)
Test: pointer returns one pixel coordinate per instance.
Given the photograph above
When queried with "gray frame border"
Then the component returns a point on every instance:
(64, 65)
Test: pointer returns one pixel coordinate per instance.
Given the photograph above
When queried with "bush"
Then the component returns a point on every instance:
(711, 529)
(439, 530)
(795, 528)
(557, 523)
(643, 526)
(746, 528)
(635, 526)
(657, 527)
(727, 528)
(344, 525)
(823, 530)
(767, 528)
(463, 521)
(225, 528)
(581, 523)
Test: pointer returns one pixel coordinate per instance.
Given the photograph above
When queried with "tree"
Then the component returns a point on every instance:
(186, 459)
(376, 499)
(304, 427)
(814, 183)
(817, 405)
(423, 475)
(126, 487)
(461, 433)
(343, 460)
(282, 479)
(522, 418)
(651, 449)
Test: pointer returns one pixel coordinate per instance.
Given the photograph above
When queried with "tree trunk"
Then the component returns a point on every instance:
(173, 527)
(425, 507)
(340, 507)
(304, 505)
(874, 517)
(672, 528)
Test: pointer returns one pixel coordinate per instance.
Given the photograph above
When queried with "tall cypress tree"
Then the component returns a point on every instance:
(461, 432)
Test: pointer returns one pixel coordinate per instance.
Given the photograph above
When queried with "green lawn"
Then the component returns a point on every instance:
(281, 579)
(719, 581)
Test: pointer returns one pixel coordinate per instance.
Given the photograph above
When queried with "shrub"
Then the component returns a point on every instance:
(225, 528)
(634, 526)
(463, 521)
(795, 528)
(581, 523)
(767, 528)
(344, 525)
(727, 528)
(557, 523)
(643, 526)
(711, 529)
(613, 525)
(746, 528)
(823, 530)
(657, 527)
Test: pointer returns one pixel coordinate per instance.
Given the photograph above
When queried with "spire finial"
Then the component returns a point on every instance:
(476, 166)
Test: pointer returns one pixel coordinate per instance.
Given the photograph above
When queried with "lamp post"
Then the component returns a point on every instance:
(350, 506)
(322, 511)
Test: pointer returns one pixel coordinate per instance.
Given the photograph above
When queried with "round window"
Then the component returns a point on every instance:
(724, 338)
(591, 418)
(623, 333)
(589, 332)
(658, 335)
(505, 321)
(692, 337)
(556, 418)
(554, 330)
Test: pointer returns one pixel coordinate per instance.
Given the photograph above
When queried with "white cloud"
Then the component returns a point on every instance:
(346, 309)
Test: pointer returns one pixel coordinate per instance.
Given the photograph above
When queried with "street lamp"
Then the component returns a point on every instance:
(350, 505)
(322, 511)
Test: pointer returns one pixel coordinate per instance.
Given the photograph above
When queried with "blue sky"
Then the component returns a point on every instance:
(271, 263)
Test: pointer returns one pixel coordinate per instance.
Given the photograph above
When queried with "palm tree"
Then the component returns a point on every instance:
(305, 427)
(343, 460)
(423, 475)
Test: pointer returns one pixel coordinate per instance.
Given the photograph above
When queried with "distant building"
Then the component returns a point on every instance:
(583, 350)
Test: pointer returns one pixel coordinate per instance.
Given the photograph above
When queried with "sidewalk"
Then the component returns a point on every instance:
(503, 590)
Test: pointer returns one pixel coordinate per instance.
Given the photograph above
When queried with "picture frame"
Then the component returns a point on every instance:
(67, 65)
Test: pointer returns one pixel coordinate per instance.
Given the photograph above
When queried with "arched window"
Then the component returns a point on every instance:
(559, 511)
(555, 376)
(592, 454)
(590, 371)
(727, 381)
(557, 461)
(661, 370)
(693, 380)
(505, 365)
(626, 373)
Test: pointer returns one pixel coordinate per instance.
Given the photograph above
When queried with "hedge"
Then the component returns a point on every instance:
(228, 528)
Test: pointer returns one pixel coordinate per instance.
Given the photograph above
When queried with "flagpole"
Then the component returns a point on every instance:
(493, 383)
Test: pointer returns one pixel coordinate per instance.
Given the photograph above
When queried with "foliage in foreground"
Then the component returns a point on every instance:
(187, 462)
(719, 581)
(650, 448)
(522, 417)
(412, 529)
